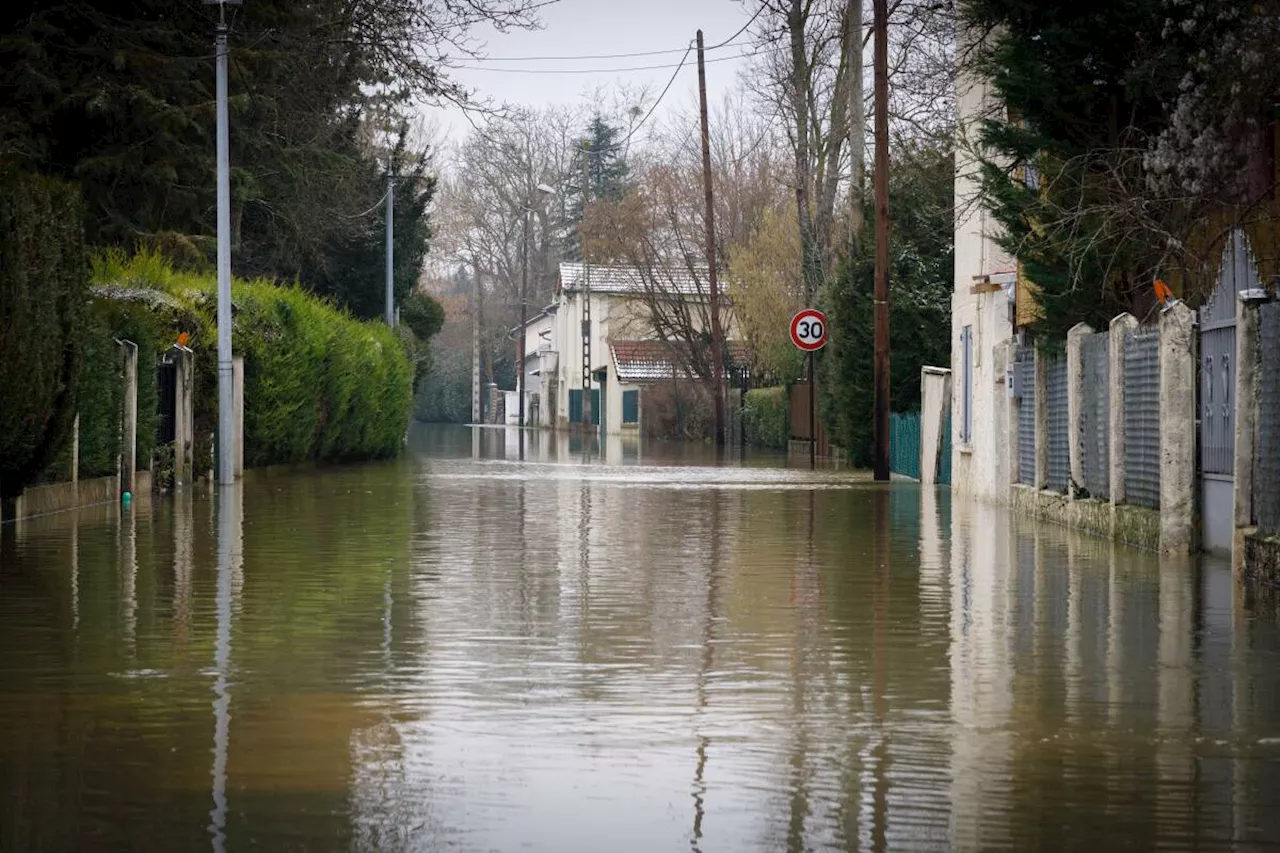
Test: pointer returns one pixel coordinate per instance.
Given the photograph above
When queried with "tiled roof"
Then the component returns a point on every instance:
(623, 280)
(651, 361)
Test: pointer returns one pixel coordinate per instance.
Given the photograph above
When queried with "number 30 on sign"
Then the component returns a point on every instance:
(809, 330)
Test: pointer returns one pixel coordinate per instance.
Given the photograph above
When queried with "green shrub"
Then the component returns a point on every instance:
(764, 417)
(43, 294)
(319, 384)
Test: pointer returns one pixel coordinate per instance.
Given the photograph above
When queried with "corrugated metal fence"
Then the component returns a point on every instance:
(1266, 482)
(1142, 417)
(1096, 415)
(1055, 400)
(1026, 379)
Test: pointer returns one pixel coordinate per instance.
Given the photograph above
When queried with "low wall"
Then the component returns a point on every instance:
(59, 497)
(1132, 525)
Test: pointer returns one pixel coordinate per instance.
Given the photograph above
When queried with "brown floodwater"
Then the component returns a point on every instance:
(619, 649)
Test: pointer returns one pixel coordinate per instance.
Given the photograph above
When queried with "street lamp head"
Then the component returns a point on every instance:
(546, 190)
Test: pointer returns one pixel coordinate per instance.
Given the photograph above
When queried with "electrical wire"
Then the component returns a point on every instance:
(729, 42)
(601, 70)
(665, 89)
(739, 32)
(586, 55)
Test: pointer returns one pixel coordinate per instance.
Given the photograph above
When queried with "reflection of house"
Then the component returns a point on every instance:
(624, 353)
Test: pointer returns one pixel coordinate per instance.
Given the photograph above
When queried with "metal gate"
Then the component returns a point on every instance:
(167, 404)
(1217, 394)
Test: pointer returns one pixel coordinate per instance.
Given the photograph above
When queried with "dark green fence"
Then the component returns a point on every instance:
(904, 447)
(904, 444)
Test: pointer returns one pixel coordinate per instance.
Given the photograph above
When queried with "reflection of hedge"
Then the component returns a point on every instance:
(319, 384)
(43, 289)
(765, 417)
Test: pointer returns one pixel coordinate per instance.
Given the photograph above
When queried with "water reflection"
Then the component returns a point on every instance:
(230, 505)
(461, 650)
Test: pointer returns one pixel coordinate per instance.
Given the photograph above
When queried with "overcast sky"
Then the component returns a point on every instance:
(594, 27)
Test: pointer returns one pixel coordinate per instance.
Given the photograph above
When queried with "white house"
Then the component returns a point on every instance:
(622, 353)
(981, 321)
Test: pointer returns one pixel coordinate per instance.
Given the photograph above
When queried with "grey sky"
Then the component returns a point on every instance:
(577, 27)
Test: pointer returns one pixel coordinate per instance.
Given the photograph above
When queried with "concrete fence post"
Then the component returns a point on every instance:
(1177, 429)
(129, 419)
(1075, 405)
(1120, 326)
(237, 396)
(1246, 438)
(935, 404)
(1042, 421)
(75, 452)
(1008, 406)
(184, 416)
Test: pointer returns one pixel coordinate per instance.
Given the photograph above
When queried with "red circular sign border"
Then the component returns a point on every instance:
(795, 340)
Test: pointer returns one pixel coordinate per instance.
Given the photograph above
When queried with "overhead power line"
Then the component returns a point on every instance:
(642, 53)
(728, 42)
(743, 55)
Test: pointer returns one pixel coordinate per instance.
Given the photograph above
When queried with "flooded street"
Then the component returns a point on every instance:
(462, 651)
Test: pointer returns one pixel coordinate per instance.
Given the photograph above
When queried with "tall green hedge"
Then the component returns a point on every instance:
(43, 296)
(765, 418)
(319, 384)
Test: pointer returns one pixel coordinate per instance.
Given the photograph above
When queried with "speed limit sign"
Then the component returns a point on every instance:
(809, 330)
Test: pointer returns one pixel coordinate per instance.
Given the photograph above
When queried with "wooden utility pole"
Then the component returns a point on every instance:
(717, 352)
(881, 24)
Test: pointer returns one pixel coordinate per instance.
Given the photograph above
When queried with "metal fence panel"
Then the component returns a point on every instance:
(1059, 471)
(904, 444)
(1266, 481)
(1142, 417)
(1026, 367)
(1096, 413)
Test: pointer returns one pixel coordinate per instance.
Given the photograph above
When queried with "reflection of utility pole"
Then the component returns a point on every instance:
(881, 428)
(717, 367)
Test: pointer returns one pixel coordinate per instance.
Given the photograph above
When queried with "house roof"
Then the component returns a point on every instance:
(650, 361)
(624, 280)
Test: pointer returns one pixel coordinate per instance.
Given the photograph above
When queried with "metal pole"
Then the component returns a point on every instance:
(813, 412)
(524, 310)
(717, 365)
(391, 277)
(475, 343)
(226, 403)
(881, 462)
(586, 292)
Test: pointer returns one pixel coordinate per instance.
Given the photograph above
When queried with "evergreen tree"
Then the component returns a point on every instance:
(119, 98)
(607, 176)
(921, 195)
(1081, 87)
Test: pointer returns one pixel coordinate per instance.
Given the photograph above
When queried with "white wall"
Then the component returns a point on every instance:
(979, 468)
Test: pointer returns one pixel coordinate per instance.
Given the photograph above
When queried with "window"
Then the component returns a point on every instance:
(631, 407)
(966, 385)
